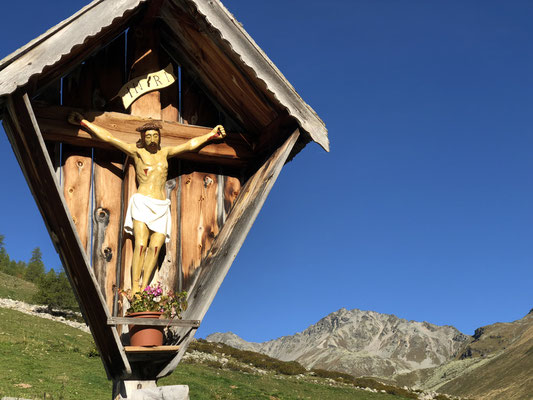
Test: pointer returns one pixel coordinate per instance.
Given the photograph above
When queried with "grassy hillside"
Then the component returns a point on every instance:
(46, 359)
(40, 356)
(16, 289)
(505, 376)
(497, 364)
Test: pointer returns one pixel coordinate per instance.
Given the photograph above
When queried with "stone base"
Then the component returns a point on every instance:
(148, 390)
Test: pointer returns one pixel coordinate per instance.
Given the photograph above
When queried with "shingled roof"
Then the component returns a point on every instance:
(102, 18)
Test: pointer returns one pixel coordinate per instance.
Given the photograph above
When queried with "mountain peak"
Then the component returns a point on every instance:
(361, 343)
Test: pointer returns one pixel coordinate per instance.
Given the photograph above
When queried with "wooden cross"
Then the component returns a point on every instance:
(52, 120)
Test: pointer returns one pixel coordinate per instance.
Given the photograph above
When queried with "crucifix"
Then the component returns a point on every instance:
(148, 215)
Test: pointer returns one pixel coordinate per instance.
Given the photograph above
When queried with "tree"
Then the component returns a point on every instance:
(9, 266)
(4, 258)
(35, 270)
(54, 291)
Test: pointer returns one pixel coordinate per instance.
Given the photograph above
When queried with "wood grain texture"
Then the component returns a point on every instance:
(168, 273)
(232, 188)
(152, 322)
(142, 45)
(107, 75)
(219, 74)
(77, 179)
(92, 27)
(77, 168)
(154, 349)
(198, 219)
(107, 206)
(169, 96)
(24, 134)
(130, 188)
(230, 239)
(53, 121)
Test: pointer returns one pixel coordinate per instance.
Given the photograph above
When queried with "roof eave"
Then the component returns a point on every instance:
(251, 55)
(19, 67)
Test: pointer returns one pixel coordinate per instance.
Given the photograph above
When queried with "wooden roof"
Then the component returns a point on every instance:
(253, 74)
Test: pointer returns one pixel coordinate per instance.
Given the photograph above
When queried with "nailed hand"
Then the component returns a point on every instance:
(75, 118)
(218, 132)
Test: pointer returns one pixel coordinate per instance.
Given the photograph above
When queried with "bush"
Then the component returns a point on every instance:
(338, 376)
(257, 360)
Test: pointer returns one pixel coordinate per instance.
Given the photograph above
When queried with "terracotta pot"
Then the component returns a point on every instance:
(145, 335)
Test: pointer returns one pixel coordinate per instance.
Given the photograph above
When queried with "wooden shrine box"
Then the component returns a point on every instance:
(82, 186)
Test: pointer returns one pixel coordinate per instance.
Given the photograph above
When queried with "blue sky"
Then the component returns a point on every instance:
(424, 206)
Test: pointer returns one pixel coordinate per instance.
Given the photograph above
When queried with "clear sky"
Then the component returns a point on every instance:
(424, 206)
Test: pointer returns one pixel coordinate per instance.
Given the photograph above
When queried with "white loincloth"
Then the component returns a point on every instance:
(153, 212)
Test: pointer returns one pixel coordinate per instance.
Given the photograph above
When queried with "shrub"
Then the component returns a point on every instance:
(257, 360)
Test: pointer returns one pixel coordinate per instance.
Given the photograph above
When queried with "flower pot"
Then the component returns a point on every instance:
(145, 335)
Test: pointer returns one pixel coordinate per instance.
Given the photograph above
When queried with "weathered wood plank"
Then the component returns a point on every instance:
(53, 121)
(77, 168)
(169, 96)
(129, 189)
(24, 134)
(142, 45)
(107, 216)
(168, 273)
(77, 178)
(155, 349)
(198, 219)
(107, 75)
(153, 322)
(92, 27)
(230, 239)
(222, 77)
(232, 188)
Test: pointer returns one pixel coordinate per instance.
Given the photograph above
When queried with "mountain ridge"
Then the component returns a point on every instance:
(362, 343)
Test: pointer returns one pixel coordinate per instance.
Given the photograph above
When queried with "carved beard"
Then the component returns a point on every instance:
(152, 147)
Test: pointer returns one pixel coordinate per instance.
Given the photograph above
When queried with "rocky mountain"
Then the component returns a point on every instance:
(362, 343)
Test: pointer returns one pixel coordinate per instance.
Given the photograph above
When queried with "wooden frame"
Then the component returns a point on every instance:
(23, 131)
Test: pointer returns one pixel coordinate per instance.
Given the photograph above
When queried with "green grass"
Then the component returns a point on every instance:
(46, 359)
(50, 358)
(211, 383)
(16, 289)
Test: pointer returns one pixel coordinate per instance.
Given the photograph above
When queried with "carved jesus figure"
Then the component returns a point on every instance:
(148, 214)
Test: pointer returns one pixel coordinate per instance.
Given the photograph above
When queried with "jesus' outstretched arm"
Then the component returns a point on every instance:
(75, 118)
(218, 132)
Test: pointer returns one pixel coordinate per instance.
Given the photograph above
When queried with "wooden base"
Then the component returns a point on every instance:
(153, 349)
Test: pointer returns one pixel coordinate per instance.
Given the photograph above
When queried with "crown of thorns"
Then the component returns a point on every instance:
(149, 126)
